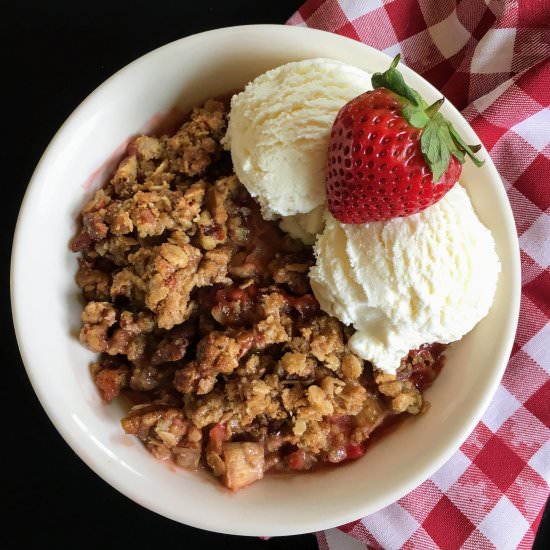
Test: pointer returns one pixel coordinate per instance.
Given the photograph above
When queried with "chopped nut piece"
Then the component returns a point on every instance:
(352, 366)
(297, 363)
(318, 399)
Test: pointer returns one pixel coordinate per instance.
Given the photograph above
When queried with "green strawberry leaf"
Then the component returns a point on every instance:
(459, 154)
(470, 150)
(439, 139)
(446, 137)
(415, 116)
(435, 150)
(393, 80)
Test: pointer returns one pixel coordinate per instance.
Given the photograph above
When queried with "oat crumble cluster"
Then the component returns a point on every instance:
(203, 317)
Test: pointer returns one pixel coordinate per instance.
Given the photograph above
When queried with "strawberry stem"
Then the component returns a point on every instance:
(395, 61)
(392, 80)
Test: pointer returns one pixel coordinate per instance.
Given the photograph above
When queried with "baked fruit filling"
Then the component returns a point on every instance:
(204, 320)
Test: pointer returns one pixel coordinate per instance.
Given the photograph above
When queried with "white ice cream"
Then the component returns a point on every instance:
(426, 278)
(305, 227)
(278, 133)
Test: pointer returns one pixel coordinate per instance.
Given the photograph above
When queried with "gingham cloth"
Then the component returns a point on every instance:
(492, 60)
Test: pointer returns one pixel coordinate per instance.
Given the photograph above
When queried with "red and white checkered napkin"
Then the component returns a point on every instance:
(492, 59)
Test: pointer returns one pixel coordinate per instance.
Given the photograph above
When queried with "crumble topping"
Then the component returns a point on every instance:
(203, 315)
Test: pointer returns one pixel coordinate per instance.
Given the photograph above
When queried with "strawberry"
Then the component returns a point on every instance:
(390, 154)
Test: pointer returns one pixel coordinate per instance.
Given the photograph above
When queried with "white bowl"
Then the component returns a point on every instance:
(46, 307)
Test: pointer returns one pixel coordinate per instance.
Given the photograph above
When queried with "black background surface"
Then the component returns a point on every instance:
(53, 55)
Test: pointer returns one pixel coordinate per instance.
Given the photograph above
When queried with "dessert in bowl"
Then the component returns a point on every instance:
(278, 504)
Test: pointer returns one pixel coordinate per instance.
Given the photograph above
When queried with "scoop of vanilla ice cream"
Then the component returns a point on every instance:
(306, 226)
(405, 282)
(279, 129)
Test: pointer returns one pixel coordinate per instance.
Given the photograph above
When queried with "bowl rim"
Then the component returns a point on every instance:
(100, 469)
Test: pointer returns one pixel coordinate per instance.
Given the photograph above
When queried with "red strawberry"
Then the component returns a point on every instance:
(390, 154)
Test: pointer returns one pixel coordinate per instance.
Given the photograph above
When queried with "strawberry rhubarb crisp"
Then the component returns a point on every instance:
(203, 316)
(256, 281)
